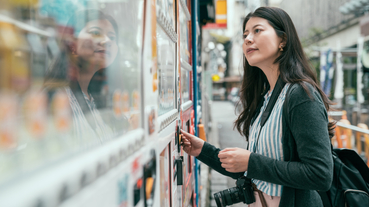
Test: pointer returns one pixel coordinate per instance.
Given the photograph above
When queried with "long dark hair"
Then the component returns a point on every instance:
(293, 65)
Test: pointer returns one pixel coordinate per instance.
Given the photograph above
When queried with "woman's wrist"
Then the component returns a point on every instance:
(202, 148)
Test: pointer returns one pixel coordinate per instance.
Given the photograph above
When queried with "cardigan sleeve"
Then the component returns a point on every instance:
(313, 170)
(209, 156)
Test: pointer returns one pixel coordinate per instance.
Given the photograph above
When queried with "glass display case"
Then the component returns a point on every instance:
(184, 33)
(89, 103)
(70, 76)
(186, 68)
(185, 85)
(166, 71)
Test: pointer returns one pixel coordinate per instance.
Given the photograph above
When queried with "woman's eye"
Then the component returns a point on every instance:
(95, 33)
(244, 36)
(112, 38)
(257, 30)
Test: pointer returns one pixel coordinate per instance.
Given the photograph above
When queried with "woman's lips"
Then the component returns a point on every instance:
(102, 52)
(251, 50)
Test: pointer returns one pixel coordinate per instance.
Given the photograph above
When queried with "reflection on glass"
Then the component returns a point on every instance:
(184, 32)
(90, 48)
(185, 85)
(165, 71)
(164, 177)
(167, 9)
(68, 80)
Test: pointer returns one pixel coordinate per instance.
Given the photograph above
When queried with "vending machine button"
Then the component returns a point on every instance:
(83, 181)
(113, 161)
(121, 155)
(39, 203)
(100, 170)
(63, 195)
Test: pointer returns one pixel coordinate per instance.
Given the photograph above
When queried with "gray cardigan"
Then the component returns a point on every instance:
(307, 165)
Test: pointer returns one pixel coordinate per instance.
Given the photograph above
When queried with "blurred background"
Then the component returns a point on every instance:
(334, 36)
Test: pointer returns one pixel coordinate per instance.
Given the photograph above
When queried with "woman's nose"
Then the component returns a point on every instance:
(248, 39)
(105, 40)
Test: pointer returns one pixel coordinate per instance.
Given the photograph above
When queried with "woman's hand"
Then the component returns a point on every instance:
(192, 145)
(234, 159)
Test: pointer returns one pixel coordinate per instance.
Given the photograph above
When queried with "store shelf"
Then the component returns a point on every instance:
(25, 26)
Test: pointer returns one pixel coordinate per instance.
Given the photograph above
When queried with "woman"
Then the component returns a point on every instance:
(90, 47)
(289, 158)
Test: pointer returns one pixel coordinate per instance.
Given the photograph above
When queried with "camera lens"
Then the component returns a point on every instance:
(219, 200)
(236, 195)
(228, 197)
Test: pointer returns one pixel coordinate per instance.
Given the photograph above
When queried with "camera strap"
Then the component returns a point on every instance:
(268, 110)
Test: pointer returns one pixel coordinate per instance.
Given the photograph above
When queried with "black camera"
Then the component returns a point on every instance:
(242, 192)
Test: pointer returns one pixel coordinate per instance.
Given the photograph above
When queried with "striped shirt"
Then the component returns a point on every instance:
(270, 140)
(88, 135)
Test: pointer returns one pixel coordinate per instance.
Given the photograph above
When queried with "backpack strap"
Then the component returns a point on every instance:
(325, 199)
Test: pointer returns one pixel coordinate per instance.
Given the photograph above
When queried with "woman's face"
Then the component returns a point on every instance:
(97, 44)
(261, 43)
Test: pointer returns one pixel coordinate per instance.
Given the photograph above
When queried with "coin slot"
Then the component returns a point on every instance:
(179, 172)
(149, 180)
(137, 192)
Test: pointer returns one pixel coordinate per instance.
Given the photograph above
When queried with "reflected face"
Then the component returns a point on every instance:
(261, 43)
(97, 44)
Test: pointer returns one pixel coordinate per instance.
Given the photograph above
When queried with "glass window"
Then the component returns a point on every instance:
(185, 85)
(166, 70)
(164, 162)
(69, 79)
(184, 33)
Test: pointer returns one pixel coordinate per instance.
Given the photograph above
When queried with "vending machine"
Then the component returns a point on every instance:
(93, 95)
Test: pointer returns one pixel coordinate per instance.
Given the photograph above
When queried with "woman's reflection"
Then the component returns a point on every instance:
(90, 47)
(96, 48)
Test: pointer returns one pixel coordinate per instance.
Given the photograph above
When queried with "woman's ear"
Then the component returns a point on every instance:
(71, 46)
(284, 40)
